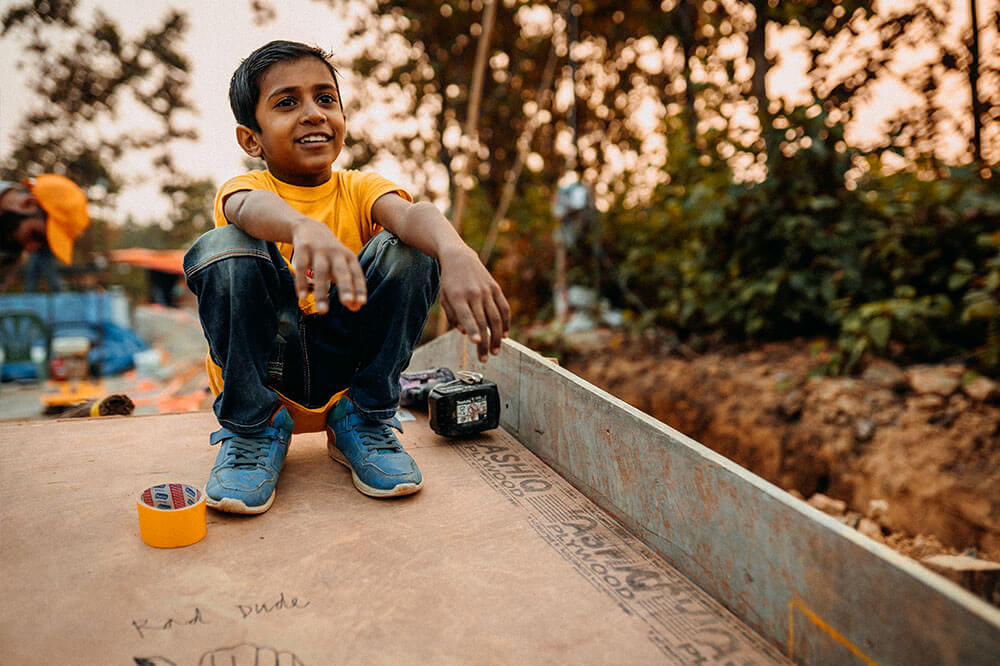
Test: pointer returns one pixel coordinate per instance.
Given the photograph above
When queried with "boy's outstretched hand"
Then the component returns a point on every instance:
(472, 299)
(318, 256)
(321, 257)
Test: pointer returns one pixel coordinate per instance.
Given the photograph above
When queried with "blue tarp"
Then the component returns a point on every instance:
(113, 355)
(100, 316)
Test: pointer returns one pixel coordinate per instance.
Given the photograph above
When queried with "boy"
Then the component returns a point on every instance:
(314, 288)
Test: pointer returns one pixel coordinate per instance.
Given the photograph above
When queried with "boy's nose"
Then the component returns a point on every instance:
(311, 113)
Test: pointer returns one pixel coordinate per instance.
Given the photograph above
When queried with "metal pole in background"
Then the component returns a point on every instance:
(471, 132)
(559, 287)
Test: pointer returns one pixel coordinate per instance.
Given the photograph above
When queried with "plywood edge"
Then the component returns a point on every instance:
(808, 583)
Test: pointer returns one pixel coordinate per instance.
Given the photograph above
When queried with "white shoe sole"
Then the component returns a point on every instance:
(233, 505)
(398, 491)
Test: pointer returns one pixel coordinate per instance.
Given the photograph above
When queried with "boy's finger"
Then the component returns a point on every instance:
(496, 328)
(345, 286)
(467, 323)
(319, 273)
(351, 290)
(360, 284)
(483, 350)
(503, 307)
(301, 266)
(452, 315)
(485, 334)
(448, 312)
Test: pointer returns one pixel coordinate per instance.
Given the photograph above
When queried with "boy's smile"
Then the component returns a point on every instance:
(301, 122)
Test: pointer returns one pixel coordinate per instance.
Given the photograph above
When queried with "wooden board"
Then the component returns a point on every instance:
(817, 588)
(497, 560)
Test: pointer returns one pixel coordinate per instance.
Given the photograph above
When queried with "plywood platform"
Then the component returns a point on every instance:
(497, 560)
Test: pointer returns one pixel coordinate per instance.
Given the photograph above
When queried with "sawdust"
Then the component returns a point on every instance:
(915, 469)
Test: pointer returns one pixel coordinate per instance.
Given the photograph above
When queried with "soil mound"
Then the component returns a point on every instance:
(908, 456)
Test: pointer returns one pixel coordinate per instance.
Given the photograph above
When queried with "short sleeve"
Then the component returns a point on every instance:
(247, 181)
(369, 187)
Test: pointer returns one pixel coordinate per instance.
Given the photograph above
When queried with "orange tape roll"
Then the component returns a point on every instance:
(171, 515)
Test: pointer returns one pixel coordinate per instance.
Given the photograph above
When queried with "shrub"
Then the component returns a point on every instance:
(903, 264)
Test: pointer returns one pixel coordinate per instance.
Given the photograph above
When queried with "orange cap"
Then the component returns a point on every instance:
(65, 205)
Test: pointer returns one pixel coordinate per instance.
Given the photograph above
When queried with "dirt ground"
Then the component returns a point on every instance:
(909, 456)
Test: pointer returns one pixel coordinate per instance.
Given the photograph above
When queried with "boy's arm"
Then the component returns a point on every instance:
(266, 216)
(470, 296)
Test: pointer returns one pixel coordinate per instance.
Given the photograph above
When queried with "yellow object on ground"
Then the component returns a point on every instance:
(171, 515)
(64, 394)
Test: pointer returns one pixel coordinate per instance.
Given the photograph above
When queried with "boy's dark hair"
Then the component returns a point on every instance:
(244, 88)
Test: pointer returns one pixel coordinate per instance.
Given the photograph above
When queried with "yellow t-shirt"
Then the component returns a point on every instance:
(344, 203)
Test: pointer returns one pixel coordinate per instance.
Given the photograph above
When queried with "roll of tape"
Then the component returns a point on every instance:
(171, 515)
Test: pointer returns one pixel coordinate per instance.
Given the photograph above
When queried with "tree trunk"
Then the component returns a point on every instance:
(472, 115)
(977, 107)
(757, 51)
(471, 130)
(688, 18)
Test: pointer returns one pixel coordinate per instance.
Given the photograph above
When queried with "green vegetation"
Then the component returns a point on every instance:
(761, 226)
(99, 98)
(728, 213)
(904, 264)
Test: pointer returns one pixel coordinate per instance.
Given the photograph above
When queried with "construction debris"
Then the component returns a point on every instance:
(117, 404)
(981, 577)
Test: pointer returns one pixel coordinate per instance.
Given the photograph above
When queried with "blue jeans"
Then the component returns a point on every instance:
(42, 264)
(264, 343)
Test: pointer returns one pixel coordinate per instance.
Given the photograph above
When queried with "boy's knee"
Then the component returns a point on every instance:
(401, 261)
(222, 243)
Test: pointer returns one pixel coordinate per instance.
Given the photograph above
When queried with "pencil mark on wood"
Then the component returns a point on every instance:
(144, 625)
(243, 654)
(265, 608)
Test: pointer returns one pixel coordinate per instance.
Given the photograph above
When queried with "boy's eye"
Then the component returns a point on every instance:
(286, 101)
(326, 98)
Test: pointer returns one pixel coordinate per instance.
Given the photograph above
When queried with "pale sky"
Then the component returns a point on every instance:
(220, 34)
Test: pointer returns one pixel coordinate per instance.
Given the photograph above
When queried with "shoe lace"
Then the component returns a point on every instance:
(248, 452)
(378, 436)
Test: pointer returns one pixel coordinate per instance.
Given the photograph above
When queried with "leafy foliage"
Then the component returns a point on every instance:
(725, 224)
(897, 264)
(87, 76)
(778, 230)
(84, 73)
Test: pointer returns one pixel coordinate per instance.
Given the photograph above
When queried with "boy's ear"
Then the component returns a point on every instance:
(248, 140)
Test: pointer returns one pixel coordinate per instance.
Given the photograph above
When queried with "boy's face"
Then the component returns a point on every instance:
(301, 122)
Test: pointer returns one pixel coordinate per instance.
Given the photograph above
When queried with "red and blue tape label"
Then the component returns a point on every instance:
(171, 496)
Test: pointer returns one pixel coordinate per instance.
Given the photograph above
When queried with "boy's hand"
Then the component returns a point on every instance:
(320, 256)
(473, 301)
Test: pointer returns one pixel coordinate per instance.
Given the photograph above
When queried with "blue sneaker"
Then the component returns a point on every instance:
(247, 467)
(379, 465)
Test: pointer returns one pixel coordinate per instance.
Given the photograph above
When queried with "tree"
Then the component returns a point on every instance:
(85, 76)
(747, 229)
(951, 90)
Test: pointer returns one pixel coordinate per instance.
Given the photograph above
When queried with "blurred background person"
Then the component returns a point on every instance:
(44, 217)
